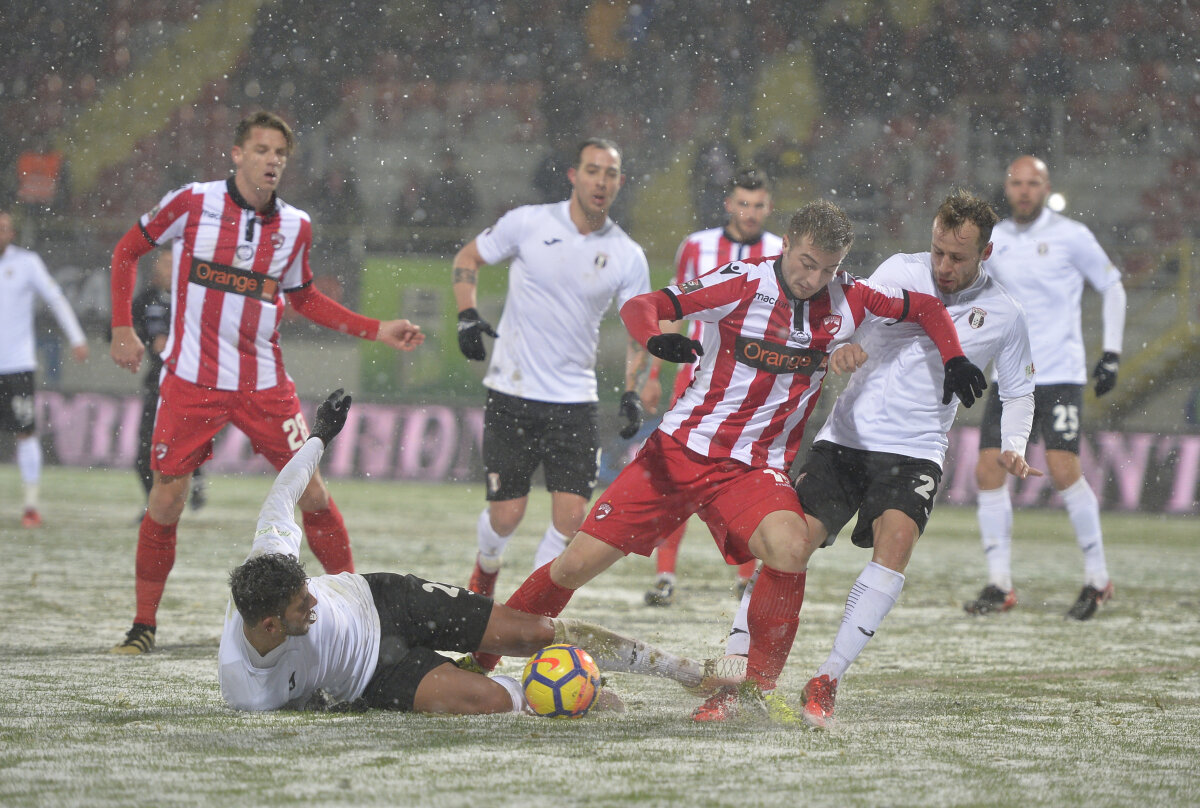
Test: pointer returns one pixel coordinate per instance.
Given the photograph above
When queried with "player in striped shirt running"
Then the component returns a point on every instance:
(238, 249)
(748, 204)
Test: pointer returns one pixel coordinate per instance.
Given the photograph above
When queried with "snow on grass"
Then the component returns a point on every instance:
(1024, 708)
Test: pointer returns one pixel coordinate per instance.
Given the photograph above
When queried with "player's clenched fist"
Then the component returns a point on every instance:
(471, 328)
(126, 348)
(675, 348)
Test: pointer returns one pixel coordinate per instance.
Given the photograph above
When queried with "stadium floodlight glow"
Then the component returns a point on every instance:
(1057, 202)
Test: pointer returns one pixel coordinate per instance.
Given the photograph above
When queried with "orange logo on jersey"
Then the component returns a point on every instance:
(236, 281)
(775, 358)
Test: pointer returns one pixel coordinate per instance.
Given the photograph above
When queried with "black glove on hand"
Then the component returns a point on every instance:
(674, 348)
(633, 413)
(471, 328)
(965, 379)
(331, 416)
(1105, 373)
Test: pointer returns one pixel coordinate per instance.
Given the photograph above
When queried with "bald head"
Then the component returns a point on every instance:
(1026, 187)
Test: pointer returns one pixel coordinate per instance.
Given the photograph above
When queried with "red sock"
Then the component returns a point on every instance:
(328, 539)
(745, 571)
(772, 620)
(155, 557)
(538, 595)
(668, 551)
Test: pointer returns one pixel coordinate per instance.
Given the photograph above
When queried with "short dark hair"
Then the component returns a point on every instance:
(750, 178)
(825, 223)
(268, 120)
(264, 585)
(598, 142)
(962, 207)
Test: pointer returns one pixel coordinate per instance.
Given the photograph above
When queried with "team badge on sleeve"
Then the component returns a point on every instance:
(976, 317)
(690, 286)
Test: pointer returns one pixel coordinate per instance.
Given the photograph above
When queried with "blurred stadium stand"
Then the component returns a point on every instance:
(881, 106)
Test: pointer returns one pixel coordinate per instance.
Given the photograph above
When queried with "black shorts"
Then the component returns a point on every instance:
(16, 402)
(836, 481)
(418, 618)
(1057, 409)
(520, 434)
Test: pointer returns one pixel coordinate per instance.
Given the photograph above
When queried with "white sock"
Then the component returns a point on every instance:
(738, 641)
(29, 461)
(615, 652)
(515, 692)
(550, 547)
(491, 544)
(1084, 512)
(995, 527)
(871, 598)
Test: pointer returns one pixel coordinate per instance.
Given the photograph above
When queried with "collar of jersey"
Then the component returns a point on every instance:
(240, 201)
(728, 235)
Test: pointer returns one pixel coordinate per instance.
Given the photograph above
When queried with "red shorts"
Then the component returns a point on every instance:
(190, 416)
(667, 482)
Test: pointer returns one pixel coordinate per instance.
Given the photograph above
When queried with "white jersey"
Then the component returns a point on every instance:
(893, 403)
(560, 284)
(339, 652)
(1044, 265)
(23, 275)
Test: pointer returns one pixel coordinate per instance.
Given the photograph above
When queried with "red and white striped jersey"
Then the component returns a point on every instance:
(766, 355)
(706, 250)
(232, 266)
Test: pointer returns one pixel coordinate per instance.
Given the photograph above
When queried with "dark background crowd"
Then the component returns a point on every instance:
(419, 122)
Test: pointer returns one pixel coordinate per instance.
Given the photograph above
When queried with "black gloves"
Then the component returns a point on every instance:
(1105, 373)
(674, 348)
(632, 411)
(331, 416)
(471, 328)
(965, 379)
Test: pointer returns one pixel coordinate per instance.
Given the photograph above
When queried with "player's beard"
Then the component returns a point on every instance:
(301, 628)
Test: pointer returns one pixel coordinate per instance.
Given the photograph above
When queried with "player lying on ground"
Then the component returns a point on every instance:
(372, 640)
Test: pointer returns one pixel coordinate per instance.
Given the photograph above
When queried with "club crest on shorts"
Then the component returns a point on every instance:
(831, 323)
(601, 260)
(976, 317)
(493, 482)
(160, 450)
(779, 476)
(603, 510)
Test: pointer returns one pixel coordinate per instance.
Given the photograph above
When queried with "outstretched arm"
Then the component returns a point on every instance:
(277, 530)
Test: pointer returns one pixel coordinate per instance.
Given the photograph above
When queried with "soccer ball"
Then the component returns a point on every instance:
(561, 681)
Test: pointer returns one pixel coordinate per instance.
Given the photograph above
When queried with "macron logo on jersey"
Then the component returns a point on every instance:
(775, 358)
